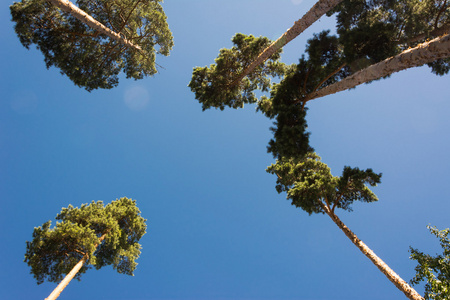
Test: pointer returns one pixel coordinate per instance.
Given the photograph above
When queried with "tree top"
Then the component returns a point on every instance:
(107, 235)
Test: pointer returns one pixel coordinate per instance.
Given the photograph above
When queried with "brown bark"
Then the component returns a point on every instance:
(381, 265)
(414, 57)
(62, 285)
(317, 11)
(70, 8)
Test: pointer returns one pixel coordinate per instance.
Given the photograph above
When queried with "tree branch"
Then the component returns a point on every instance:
(129, 15)
(329, 76)
(439, 13)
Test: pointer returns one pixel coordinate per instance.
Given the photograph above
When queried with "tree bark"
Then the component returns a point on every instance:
(381, 265)
(70, 8)
(414, 57)
(317, 11)
(62, 285)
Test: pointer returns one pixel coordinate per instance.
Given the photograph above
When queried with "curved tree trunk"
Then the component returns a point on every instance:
(317, 11)
(62, 285)
(381, 265)
(70, 8)
(414, 57)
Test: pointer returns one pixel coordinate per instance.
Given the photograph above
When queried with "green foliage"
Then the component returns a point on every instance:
(369, 31)
(415, 17)
(90, 59)
(53, 252)
(213, 86)
(441, 66)
(373, 30)
(287, 99)
(435, 270)
(290, 136)
(309, 184)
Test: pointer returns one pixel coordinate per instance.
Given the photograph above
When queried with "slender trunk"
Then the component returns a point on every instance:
(62, 285)
(414, 57)
(70, 8)
(381, 265)
(317, 11)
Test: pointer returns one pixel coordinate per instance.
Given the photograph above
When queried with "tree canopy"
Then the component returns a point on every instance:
(212, 86)
(373, 36)
(435, 270)
(368, 32)
(309, 184)
(89, 58)
(107, 235)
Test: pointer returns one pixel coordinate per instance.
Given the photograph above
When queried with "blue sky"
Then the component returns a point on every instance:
(217, 229)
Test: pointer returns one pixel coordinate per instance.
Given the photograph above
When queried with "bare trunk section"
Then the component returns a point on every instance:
(317, 11)
(381, 265)
(414, 57)
(62, 285)
(70, 8)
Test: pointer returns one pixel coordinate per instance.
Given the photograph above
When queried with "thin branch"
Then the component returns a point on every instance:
(334, 206)
(111, 49)
(443, 8)
(329, 76)
(326, 199)
(80, 252)
(129, 15)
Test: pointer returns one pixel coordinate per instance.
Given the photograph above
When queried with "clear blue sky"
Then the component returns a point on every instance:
(217, 229)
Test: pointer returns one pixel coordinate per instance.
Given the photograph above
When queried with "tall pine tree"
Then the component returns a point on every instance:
(93, 235)
(375, 38)
(94, 42)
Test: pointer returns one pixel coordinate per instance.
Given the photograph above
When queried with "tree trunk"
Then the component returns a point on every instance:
(381, 265)
(317, 11)
(62, 285)
(414, 57)
(70, 8)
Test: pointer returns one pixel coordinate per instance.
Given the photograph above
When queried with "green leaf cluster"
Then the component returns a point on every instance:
(90, 59)
(309, 184)
(374, 30)
(53, 252)
(287, 99)
(435, 270)
(214, 87)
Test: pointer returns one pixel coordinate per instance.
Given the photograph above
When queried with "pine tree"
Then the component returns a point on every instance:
(93, 235)
(94, 42)
(435, 270)
(310, 186)
(374, 39)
